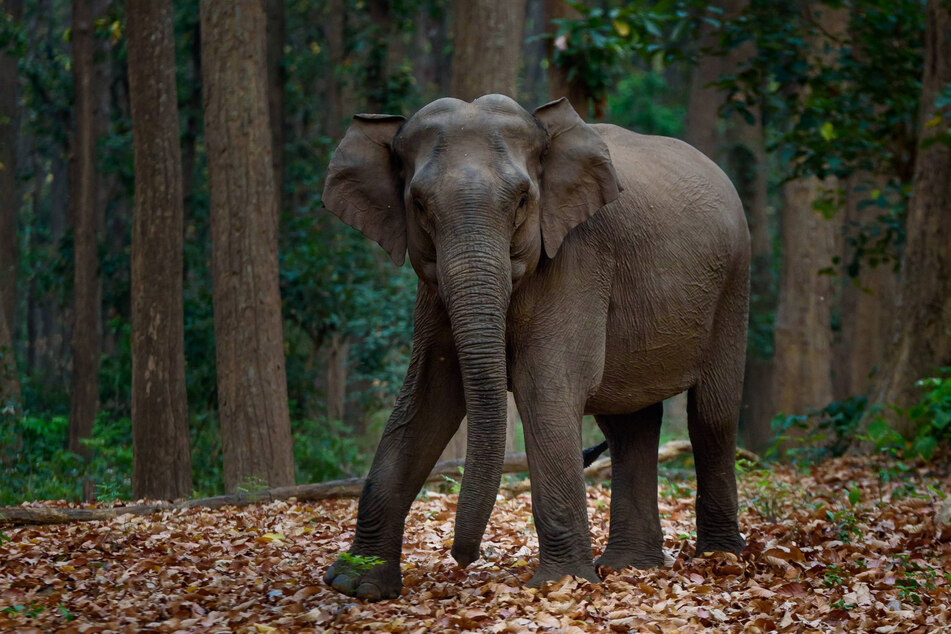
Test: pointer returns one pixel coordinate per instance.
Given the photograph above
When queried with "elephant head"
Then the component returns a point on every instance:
(475, 192)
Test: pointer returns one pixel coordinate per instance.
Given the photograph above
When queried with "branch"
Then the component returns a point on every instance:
(348, 488)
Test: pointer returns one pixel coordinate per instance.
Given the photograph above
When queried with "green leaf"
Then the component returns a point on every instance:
(828, 131)
(854, 496)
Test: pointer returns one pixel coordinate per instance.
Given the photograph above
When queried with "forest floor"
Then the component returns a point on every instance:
(845, 546)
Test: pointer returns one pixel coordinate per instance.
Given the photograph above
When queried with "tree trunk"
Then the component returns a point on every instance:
(10, 197)
(252, 385)
(534, 54)
(337, 376)
(87, 302)
(487, 41)
(9, 378)
(487, 45)
(558, 84)
(333, 109)
(704, 101)
(275, 92)
(922, 341)
(161, 466)
(747, 165)
(803, 333)
(192, 121)
(868, 301)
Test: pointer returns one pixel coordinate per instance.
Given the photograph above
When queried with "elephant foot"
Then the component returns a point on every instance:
(366, 581)
(724, 544)
(544, 574)
(643, 558)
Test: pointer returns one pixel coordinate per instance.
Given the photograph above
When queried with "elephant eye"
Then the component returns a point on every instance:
(522, 201)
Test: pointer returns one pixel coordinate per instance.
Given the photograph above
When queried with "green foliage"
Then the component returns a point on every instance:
(361, 563)
(642, 101)
(767, 494)
(932, 414)
(824, 433)
(323, 450)
(593, 47)
(831, 430)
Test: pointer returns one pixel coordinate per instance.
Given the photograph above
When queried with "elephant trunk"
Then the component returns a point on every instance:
(475, 282)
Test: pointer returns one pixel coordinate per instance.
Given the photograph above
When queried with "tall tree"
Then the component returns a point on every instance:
(923, 339)
(9, 379)
(487, 46)
(252, 385)
(275, 91)
(867, 300)
(161, 458)
(87, 291)
(558, 83)
(746, 163)
(704, 100)
(802, 376)
(9, 191)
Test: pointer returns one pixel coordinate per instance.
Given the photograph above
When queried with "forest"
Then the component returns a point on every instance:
(181, 318)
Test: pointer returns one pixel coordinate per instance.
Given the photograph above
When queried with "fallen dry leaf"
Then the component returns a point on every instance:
(819, 565)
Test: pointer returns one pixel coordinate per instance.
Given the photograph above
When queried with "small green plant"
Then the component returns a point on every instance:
(31, 611)
(361, 563)
(252, 484)
(454, 485)
(914, 579)
(932, 414)
(820, 433)
(108, 491)
(66, 613)
(769, 494)
(832, 577)
(673, 489)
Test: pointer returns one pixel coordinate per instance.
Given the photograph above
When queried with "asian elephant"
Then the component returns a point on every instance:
(586, 268)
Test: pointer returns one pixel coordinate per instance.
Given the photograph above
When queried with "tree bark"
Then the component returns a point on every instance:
(868, 302)
(922, 335)
(87, 290)
(558, 84)
(333, 109)
(337, 376)
(704, 101)
(803, 333)
(252, 386)
(9, 377)
(161, 454)
(10, 197)
(275, 92)
(487, 45)
(747, 164)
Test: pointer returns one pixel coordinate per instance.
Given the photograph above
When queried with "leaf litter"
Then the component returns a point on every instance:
(838, 548)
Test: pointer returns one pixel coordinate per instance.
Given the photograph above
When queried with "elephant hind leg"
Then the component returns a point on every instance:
(636, 538)
(713, 410)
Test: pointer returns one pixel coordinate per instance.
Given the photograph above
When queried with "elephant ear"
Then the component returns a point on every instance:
(578, 177)
(363, 183)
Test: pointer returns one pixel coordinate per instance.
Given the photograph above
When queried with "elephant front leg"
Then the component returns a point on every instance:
(559, 506)
(636, 538)
(427, 413)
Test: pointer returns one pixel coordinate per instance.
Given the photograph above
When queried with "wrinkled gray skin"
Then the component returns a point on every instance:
(588, 269)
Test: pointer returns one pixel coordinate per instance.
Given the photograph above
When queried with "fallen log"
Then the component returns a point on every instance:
(348, 488)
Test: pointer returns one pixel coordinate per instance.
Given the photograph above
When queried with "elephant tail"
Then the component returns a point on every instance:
(591, 454)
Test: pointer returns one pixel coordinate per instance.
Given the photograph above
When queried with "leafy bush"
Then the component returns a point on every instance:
(323, 450)
(828, 432)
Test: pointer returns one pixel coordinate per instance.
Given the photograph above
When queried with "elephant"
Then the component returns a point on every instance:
(587, 269)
